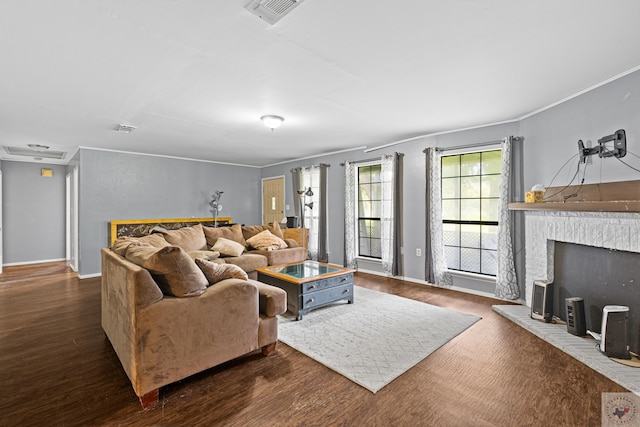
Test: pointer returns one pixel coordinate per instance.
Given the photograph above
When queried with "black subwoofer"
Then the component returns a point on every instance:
(576, 323)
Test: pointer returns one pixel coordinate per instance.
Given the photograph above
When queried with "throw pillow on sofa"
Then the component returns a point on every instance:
(234, 232)
(265, 241)
(228, 247)
(173, 270)
(217, 272)
(248, 231)
(188, 238)
(121, 244)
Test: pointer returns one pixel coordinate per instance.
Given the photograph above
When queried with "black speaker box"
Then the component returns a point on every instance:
(542, 300)
(292, 222)
(615, 331)
(576, 323)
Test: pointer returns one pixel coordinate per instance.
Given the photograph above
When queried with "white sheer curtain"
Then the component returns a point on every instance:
(387, 215)
(311, 178)
(436, 259)
(506, 281)
(349, 215)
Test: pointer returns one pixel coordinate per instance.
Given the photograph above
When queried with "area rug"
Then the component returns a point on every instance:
(376, 339)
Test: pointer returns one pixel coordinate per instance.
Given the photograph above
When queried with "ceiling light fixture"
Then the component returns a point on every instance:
(272, 122)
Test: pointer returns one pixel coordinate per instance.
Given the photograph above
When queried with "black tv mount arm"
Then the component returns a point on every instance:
(619, 149)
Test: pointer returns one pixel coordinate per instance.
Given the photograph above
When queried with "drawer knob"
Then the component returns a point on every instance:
(312, 287)
(344, 279)
(310, 301)
(346, 291)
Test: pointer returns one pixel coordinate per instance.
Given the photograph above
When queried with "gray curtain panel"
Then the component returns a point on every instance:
(323, 256)
(295, 186)
(507, 286)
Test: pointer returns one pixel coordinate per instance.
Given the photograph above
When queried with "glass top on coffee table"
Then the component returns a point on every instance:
(303, 271)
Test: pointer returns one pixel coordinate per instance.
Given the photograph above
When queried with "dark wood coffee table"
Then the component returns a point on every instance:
(309, 284)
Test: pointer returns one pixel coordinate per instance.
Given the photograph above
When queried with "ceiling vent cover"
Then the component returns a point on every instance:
(271, 11)
(27, 152)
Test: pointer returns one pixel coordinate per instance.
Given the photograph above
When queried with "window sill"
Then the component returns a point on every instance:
(367, 259)
(475, 276)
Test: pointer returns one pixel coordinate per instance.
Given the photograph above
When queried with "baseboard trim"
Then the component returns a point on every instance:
(44, 261)
(89, 276)
(455, 288)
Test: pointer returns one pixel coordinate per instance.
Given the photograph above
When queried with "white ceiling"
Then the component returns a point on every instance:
(195, 76)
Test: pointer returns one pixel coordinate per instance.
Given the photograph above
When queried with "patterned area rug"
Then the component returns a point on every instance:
(375, 340)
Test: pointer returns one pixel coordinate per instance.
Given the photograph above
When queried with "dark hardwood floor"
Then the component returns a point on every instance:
(58, 369)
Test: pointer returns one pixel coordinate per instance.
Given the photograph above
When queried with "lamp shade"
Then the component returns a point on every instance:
(272, 122)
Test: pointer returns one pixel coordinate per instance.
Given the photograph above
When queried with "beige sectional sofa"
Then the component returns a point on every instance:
(172, 307)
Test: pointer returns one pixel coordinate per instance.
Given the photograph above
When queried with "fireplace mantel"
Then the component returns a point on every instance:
(623, 196)
(580, 206)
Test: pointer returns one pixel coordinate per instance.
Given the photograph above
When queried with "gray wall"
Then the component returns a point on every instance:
(33, 212)
(130, 186)
(551, 137)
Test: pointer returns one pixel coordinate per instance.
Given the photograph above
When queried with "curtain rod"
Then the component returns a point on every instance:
(363, 161)
(478, 144)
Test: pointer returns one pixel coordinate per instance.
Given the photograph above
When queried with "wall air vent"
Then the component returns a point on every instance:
(42, 154)
(271, 11)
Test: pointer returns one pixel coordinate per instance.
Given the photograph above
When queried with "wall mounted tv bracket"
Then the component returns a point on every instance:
(619, 149)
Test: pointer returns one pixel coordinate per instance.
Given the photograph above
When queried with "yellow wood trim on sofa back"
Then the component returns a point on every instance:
(119, 223)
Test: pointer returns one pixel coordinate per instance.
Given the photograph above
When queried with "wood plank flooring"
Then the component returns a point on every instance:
(58, 369)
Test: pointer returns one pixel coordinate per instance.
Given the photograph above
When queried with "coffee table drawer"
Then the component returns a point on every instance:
(330, 282)
(327, 295)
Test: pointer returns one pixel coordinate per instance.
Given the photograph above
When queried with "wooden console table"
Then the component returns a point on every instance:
(300, 235)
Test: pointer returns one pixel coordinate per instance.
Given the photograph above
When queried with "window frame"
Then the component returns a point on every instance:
(357, 208)
(460, 152)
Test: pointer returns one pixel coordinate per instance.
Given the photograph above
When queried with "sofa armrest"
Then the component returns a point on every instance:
(273, 300)
(291, 243)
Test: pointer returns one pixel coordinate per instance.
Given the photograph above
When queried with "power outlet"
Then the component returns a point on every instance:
(418, 252)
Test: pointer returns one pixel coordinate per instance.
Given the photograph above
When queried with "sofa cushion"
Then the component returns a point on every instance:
(122, 243)
(248, 262)
(173, 270)
(216, 272)
(227, 247)
(234, 232)
(248, 231)
(208, 255)
(188, 238)
(282, 256)
(266, 241)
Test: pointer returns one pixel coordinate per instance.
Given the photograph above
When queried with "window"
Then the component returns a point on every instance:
(470, 194)
(369, 210)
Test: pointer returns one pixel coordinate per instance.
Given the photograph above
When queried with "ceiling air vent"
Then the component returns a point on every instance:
(28, 152)
(125, 128)
(271, 11)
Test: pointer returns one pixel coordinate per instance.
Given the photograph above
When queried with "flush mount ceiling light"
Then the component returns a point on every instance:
(272, 122)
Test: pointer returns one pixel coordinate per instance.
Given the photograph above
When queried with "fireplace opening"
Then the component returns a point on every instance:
(601, 277)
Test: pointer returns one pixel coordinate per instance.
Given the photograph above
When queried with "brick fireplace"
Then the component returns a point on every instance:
(612, 230)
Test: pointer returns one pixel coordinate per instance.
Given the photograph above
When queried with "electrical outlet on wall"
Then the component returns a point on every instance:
(418, 252)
